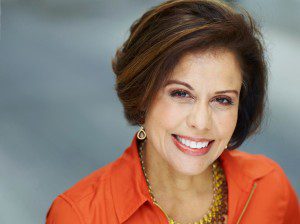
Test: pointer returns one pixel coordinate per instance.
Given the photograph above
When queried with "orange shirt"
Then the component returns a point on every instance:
(258, 193)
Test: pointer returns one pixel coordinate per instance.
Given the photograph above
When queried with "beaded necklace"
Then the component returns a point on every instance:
(218, 208)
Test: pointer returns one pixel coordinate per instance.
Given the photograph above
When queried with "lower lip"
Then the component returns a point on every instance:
(193, 152)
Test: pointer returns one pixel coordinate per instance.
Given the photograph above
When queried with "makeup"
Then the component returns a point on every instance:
(191, 151)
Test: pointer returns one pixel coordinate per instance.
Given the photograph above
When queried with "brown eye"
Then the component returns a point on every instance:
(224, 101)
(180, 94)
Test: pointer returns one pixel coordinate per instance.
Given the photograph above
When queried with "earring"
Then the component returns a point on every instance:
(141, 135)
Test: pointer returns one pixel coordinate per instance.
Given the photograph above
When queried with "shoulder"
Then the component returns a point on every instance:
(89, 185)
(274, 190)
(80, 201)
(253, 165)
(259, 166)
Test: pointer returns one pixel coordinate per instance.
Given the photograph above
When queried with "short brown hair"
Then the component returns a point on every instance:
(166, 32)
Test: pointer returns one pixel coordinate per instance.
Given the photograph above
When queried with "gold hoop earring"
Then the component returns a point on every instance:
(141, 135)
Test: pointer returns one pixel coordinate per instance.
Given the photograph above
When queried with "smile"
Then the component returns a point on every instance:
(192, 146)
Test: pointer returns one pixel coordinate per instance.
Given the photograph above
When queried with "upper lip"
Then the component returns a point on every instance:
(195, 139)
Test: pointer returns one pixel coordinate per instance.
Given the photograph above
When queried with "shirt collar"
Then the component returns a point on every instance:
(244, 168)
(130, 191)
(128, 184)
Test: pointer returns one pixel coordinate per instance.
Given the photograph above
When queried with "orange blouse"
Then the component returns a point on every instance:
(258, 192)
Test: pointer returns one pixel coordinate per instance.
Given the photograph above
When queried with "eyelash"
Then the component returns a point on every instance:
(175, 93)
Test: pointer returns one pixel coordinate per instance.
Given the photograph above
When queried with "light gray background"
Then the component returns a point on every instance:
(60, 118)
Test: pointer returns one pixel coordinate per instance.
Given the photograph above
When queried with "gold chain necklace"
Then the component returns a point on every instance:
(218, 208)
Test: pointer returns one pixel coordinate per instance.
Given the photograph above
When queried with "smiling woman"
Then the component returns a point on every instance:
(192, 75)
(200, 100)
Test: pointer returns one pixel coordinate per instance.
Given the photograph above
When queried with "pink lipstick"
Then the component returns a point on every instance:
(191, 151)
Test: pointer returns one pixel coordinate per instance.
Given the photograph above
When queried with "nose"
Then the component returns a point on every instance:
(199, 117)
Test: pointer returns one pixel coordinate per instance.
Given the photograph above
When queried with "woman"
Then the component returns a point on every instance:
(192, 74)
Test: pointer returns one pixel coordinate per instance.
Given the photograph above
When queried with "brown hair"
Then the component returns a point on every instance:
(166, 32)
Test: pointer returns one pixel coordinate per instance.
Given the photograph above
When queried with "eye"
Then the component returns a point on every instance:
(224, 101)
(180, 93)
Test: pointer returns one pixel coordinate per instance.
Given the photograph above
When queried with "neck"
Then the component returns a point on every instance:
(169, 183)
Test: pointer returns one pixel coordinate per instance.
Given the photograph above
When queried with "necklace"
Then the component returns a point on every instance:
(218, 208)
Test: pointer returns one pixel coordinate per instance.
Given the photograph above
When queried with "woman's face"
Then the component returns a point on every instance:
(198, 104)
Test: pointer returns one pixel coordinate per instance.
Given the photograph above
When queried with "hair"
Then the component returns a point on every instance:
(168, 31)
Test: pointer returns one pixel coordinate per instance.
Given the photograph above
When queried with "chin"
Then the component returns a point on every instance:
(190, 169)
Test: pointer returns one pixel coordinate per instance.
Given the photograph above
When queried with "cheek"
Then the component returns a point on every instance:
(226, 122)
(167, 113)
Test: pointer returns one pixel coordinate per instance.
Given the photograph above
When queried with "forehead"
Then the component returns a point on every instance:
(217, 66)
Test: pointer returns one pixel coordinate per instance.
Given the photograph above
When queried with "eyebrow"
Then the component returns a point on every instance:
(173, 81)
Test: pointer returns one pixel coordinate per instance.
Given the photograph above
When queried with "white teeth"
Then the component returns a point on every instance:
(199, 145)
(187, 142)
(192, 144)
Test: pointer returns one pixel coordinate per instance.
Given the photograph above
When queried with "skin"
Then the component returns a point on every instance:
(181, 183)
